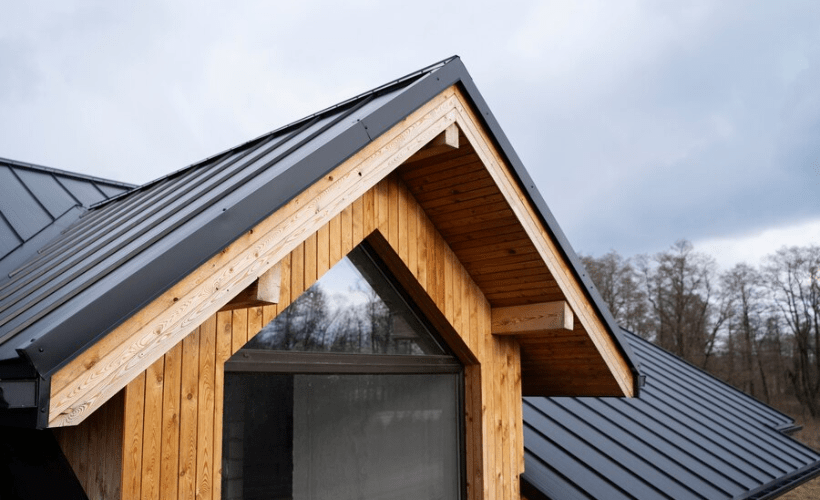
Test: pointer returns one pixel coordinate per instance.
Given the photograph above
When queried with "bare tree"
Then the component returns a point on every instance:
(619, 284)
(793, 278)
(688, 312)
(746, 326)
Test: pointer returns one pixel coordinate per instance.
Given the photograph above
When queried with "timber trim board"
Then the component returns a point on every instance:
(532, 318)
(101, 371)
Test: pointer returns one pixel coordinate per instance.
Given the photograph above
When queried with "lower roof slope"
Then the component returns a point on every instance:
(688, 435)
(36, 203)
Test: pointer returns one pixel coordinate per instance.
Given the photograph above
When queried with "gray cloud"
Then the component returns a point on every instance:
(641, 122)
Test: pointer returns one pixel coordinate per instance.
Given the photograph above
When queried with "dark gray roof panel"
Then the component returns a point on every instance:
(23, 211)
(688, 435)
(32, 197)
(8, 238)
(111, 191)
(45, 188)
(117, 239)
(85, 191)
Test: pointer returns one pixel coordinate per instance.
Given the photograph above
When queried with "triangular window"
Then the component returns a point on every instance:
(354, 308)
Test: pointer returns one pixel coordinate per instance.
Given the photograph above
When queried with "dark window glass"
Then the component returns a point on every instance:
(318, 437)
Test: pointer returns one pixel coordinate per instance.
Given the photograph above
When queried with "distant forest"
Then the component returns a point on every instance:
(757, 328)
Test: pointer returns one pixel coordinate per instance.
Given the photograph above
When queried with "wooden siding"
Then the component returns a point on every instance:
(94, 449)
(173, 421)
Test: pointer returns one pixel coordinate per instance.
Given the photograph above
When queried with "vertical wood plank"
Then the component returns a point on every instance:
(449, 310)
(115, 417)
(519, 413)
(169, 470)
(335, 239)
(435, 259)
(256, 318)
(285, 292)
(393, 211)
(369, 216)
(382, 206)
(311, 270)
(458, 292)
(205, 410)
(152, 433)
(132, 437)
(95, 446)
(441, 272)
(188, 416)
(224, 340)
(235, 326)
(358, 221)
(322, 251)
(347, 229)
(412, 234)
(401, 193)
(297, 272)
(423, 235)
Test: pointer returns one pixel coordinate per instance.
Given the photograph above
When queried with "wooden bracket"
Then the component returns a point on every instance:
(532, 318)
(264, 291)
(442, 143)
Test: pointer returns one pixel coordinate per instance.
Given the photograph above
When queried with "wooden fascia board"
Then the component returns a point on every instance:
(93, 377)
(547, 248)
(532, 318)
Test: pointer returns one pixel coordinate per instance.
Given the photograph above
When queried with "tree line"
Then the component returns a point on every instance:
(757, 328)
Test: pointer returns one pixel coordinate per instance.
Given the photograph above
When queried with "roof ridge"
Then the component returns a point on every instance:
(406, 79)
(65, 173)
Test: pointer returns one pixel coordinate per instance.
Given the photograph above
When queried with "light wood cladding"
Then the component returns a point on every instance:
(94, 449)
(447, 296)
(90, 379)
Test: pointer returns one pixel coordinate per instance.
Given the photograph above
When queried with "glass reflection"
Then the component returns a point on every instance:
(353, 308)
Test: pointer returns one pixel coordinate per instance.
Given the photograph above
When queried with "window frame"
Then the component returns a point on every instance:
(323, 363)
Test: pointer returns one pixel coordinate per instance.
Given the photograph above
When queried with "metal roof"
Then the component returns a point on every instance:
(37, 202)
(126, 251)
(687, 436)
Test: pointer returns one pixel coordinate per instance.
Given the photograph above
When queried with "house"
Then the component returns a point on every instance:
(352, 305)
(124, 333)
(687, 436)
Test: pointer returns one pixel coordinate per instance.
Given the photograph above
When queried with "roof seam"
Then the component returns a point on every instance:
(65, 173)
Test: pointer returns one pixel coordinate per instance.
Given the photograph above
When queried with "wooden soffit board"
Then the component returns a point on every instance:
(101, 371)
(471, 196)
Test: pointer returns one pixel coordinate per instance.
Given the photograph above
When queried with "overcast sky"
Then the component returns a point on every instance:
(641, 122)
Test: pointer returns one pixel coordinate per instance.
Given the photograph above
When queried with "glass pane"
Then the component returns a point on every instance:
(310, 437)
(353, 308)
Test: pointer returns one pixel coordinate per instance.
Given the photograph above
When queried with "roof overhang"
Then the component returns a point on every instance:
(122, 324)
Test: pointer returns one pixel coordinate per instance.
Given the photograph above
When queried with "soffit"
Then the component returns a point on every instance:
(461, 198)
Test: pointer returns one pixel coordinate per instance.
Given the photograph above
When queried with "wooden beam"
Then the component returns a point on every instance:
(532, 318)
(442, 143)
(262, 292)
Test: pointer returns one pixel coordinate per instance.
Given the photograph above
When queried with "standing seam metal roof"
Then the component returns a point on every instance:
(688, 435)
(37, 202)
(128, 250)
